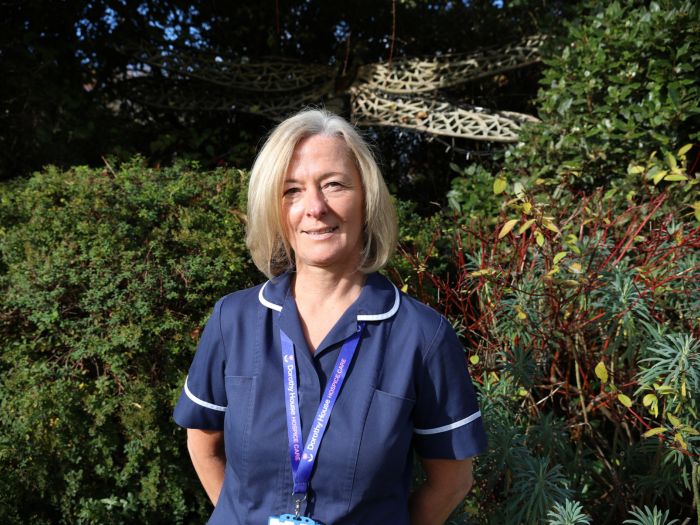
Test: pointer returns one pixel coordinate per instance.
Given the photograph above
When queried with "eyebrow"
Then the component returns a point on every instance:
(290, 180)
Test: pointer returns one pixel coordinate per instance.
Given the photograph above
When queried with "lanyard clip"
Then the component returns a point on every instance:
(297, 506)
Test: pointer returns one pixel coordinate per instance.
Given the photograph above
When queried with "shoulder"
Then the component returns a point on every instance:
(236, 307)
(426, 324)
(414, 321)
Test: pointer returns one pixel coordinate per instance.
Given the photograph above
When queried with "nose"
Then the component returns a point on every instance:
(315, 203)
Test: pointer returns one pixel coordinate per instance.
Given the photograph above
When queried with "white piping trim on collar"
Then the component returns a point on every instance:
(362, 317)
(265, 302)
(451, 426)
(385, 315)
(201, 402)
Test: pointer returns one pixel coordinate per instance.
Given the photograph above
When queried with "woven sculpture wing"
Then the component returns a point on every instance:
(381, 95)
(421, 75)
(437, 117)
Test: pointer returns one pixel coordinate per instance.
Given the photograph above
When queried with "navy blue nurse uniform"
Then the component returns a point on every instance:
(407, 388)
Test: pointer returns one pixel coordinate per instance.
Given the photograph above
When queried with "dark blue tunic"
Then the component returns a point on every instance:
(407, 387)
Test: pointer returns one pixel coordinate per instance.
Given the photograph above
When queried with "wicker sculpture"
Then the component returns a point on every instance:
(404, 94)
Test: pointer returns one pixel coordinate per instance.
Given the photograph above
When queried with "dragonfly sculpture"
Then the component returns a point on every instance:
(406, 93)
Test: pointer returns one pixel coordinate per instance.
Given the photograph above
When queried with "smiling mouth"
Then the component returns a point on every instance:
(322, 231)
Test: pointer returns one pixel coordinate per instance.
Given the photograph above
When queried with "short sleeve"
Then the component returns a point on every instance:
(202, 403)
(447, 420)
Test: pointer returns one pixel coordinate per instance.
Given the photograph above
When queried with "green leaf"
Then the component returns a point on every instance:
(679, 438)
(526, 225)
(474, 359)
(659, 176)
(559, 256)
(685, 149)
(539, 238)
(499, 186)
(519, 190)
(507, 227)
(674, 177)
(671, 161)
(674, 420)
(601, 372)
(649, 399)
(625, 400)
(654, 432)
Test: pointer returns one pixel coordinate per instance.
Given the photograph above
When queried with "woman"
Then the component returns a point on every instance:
(308, 394)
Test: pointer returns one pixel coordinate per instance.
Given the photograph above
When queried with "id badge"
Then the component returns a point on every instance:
(289, 519)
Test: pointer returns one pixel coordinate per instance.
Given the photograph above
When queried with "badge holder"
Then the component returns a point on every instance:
(290, 519)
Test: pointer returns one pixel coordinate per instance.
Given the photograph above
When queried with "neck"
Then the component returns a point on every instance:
(317, 286)
(321, 297)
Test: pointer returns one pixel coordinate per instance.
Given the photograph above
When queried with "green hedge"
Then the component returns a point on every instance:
(106, 278)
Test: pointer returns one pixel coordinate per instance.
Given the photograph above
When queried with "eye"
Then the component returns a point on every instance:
(333, 184)
(290, 191)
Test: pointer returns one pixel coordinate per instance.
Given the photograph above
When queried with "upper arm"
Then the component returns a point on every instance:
(447, 421)
(205, 443)
(203, 402)
(449, 475)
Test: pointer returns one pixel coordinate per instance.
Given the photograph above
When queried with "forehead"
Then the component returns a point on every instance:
(321, 149)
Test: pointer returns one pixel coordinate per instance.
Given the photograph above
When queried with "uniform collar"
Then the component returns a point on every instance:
(379, 299)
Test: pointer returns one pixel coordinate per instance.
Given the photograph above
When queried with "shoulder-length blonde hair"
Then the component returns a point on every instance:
(266, 239)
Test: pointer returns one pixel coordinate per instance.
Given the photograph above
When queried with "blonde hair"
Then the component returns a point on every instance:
(266, 240)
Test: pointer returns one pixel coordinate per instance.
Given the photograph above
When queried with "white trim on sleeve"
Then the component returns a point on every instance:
(201, 402)
(451, 426)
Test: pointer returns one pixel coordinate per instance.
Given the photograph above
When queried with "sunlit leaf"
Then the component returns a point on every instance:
(549, 225)
(675, 177)
(601, 372)
(519, 190)
(527, 208)
(685, 149)
(553, 271)
(671, 161)
(664, 389)
(499, 185)
(633, 170)
(522, 315)
(658, 176)
(404, 288)
(474, 359)
(679, 438)
(576, 267)
(625, 400)
(539, 238)
(525, 226)
(559, 256)
(654, 432)
(507, 227)
(649, 399)
(674, 420)
(483, 271)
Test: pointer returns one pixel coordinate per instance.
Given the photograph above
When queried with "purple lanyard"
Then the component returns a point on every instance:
(303, 463)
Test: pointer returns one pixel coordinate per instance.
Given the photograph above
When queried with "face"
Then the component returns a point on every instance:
(322, 205)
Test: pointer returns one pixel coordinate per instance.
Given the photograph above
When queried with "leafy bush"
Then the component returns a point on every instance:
(623, 84)
(106, 278)
(580, 314)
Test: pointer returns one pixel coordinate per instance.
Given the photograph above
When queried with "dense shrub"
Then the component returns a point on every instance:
(580, 317)
(623, 84)
(577, 295)
(106, 277)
